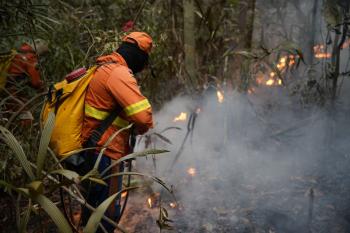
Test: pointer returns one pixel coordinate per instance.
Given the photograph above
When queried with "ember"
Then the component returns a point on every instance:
(149, 201)
(181, 117)
(320, 53)
(172, 205)
(270, 82)
(220, 96)
(191, 171)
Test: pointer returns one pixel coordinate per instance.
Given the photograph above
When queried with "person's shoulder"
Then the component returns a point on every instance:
(121, 72)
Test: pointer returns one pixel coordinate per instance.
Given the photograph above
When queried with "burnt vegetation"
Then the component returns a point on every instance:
(251, 100)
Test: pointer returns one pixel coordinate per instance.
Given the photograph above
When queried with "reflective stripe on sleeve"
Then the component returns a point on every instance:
(101, 115)
(137, 107)
(120, 122)
(95, 113)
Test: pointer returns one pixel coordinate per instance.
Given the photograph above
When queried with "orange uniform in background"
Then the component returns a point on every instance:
(112, 84)
(25, 64)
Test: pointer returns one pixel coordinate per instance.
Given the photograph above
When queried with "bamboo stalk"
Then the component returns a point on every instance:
(189, 42)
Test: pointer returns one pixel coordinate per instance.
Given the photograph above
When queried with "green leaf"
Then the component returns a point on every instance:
(12, 142)
(98, 181)
(133, 156)
(70, 175)
(55, 214)
(44, 143)
(97, 215)
(36, 186)
(156, 179)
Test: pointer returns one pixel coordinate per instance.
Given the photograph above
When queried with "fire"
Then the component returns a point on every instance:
(270, 82)
(279, 82)
(172, 204)
(191, 171)
(220, 96)
(149, 201)
(323, 55)
(181, 117)
(320, 53)
(124, 194)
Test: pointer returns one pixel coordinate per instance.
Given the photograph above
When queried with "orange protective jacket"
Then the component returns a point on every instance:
(25, 63)
(112, 84)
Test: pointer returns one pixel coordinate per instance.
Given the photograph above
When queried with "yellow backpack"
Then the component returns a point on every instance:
(5, 62)
(66, 99)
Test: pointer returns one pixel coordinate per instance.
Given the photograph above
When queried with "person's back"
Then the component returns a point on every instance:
(25, 65)
(112, 85)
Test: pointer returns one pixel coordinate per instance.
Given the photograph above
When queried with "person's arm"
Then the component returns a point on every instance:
(135, 106)
(33, 72)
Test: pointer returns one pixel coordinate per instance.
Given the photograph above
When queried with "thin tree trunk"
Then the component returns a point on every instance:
(310, 53)
(189, 42)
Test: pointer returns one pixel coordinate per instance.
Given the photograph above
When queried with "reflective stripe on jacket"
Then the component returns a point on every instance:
(113, 84)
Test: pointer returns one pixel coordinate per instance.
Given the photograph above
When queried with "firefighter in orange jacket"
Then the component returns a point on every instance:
(24, 67)
(114, 84)
(25, 64)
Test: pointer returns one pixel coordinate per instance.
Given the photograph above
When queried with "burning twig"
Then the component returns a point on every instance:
(190, 127)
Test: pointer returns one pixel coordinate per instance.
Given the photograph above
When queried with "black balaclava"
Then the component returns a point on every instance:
(135, 58)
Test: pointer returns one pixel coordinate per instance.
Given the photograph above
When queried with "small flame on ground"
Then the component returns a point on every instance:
(149, 201)
(191, 171)
(320, 53)
(270, 82)
(181, 117)
(220, 96)
(172, 204)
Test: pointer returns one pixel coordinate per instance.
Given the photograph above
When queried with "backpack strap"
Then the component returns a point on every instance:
(99, 131)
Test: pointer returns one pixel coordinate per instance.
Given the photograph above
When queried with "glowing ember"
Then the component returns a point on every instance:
(320, 53)
(272, 74)
(323, 55)
(220, 96)
(181, 117)
(172, 204)
(149, 201)
(270, 82)
(191, 171)
(124, 194)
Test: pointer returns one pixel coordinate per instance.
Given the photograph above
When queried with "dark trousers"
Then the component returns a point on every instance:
(95, 193)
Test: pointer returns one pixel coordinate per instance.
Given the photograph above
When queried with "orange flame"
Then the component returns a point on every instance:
(172, 204)
(270, 82)
(320, 53)
(124, 194)
(149, 201)
(191, 171)
(181, 117)
(220, 96)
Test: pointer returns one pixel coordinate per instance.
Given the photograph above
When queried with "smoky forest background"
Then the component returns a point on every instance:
(251, 100)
